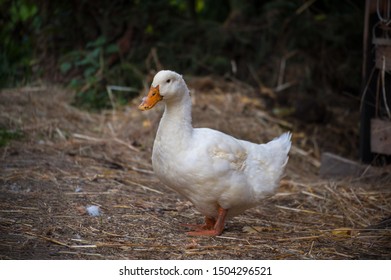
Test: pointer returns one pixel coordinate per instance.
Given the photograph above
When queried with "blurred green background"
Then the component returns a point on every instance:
(87, 44)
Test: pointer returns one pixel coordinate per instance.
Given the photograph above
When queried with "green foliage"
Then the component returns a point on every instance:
(7, 135)
(99, 43)
(18, 24)
(89, 86)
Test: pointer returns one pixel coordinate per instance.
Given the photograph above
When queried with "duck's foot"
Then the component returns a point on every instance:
(208, 225)
(212, 227)
(211, 232)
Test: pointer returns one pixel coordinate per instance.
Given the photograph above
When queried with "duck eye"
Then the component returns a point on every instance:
(168, 81)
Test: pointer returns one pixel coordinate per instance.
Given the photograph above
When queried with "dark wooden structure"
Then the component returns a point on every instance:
(375, 128)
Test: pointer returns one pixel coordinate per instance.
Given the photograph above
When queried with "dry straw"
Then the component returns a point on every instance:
(68, 159)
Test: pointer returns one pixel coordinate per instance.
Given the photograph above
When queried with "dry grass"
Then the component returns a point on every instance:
(69, 159)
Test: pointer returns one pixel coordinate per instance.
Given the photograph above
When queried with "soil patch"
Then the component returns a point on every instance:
(67, 160)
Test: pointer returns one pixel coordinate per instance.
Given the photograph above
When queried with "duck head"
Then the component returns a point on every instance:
(168, 86)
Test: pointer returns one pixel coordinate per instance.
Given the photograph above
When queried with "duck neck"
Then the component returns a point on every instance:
(176, 119)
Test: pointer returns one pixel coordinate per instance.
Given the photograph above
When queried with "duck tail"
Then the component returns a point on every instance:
(280, 147)
(268, 165)
(285, 141)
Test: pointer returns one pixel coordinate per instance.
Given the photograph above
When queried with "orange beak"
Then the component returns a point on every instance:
(151, 100)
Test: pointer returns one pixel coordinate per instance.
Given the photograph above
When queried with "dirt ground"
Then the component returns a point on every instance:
(68, 159)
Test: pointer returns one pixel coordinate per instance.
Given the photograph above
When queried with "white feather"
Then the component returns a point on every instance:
(208, 167)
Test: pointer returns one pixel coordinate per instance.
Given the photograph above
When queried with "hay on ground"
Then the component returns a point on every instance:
(68, 159)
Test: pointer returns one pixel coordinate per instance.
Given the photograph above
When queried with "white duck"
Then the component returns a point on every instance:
(222, 176)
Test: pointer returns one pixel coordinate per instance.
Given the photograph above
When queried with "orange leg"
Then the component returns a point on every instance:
(212, 229)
